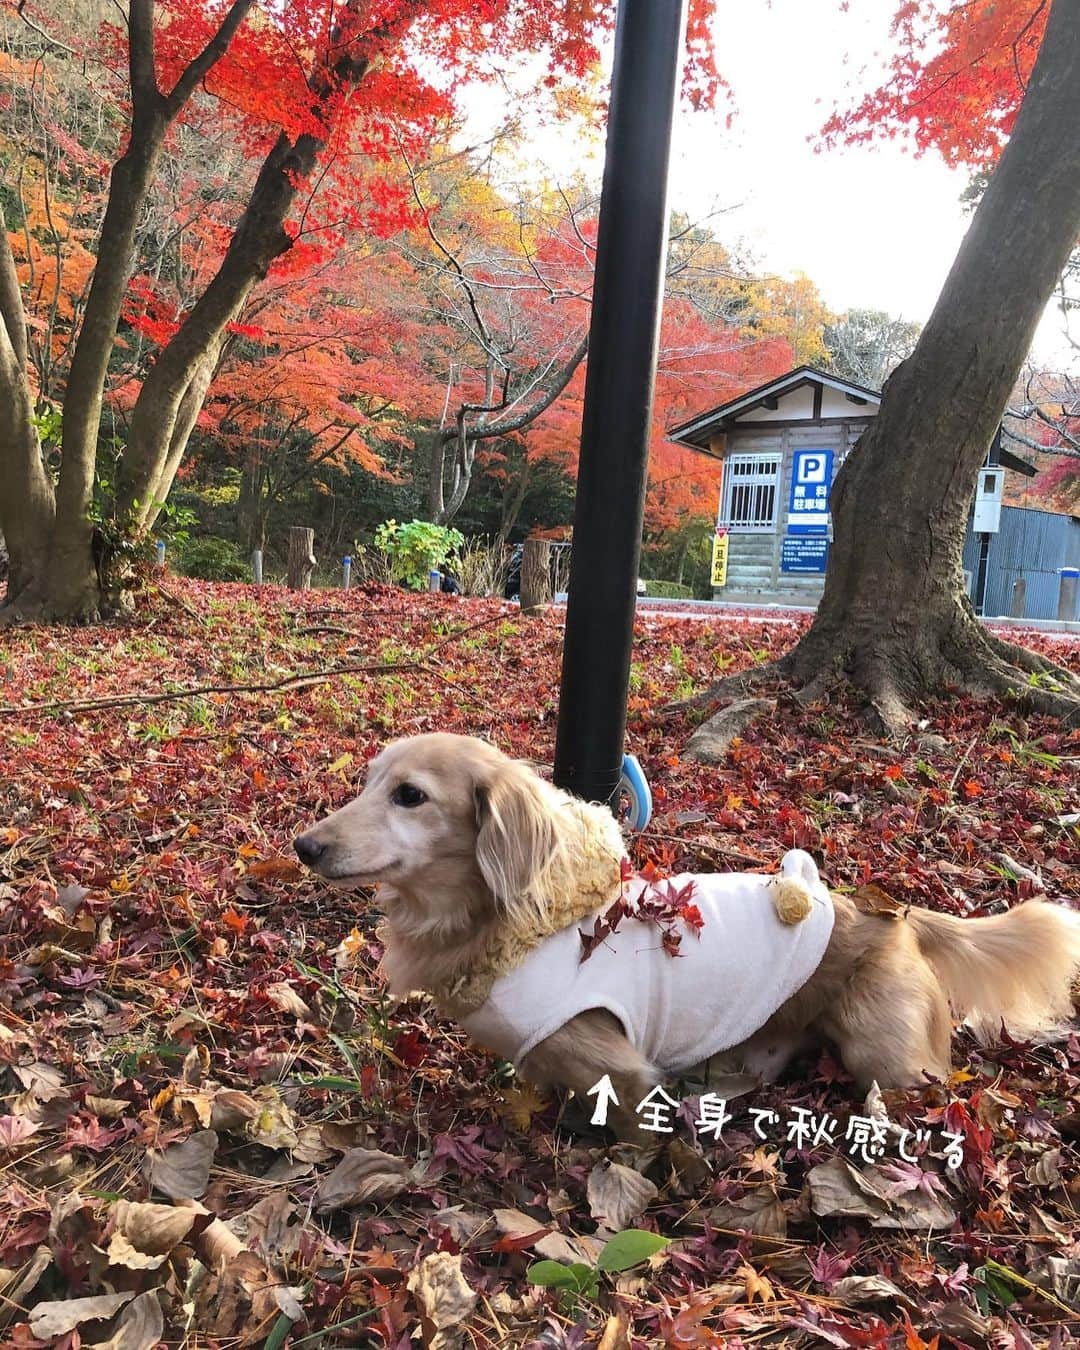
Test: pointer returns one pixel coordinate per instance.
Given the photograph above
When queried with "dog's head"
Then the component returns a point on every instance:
(440, 803)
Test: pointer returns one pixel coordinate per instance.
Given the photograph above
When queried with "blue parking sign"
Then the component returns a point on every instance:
(808, 503)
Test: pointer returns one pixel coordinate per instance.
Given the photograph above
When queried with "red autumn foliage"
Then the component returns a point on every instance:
(956, 81)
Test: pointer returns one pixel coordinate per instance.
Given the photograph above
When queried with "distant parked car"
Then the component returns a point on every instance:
(512, 590)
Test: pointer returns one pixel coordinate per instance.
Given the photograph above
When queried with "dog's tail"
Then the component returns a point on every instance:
(1017, 968)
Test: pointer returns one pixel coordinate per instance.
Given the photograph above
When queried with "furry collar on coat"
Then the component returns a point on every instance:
(583, 877)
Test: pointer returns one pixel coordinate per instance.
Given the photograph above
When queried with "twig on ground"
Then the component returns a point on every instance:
(275, 686)
(331, 628)
(195, 691)
(962, 762)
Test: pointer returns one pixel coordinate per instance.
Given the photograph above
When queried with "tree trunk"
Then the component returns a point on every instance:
(464, 454)
(52, 533)
(72, 582)
(535, 575)
(161, 419)
(250, 505)
(25, 522)
(187, 414)
(514, 498)
(465, 435)
(26, 501)
(301, 558)
(259, 238)
(681, 570)
(53, 567)
(894, 619)
(436, 501)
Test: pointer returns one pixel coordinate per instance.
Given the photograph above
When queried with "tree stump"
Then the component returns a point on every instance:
(301, 557)
(535, 576)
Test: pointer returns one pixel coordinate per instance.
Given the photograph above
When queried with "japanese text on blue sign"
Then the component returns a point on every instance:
(804, 553)
(808, 505)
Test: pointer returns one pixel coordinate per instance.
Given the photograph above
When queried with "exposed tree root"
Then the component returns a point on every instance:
(890, 670)
(710, 741)
(1013, 654)
(735, 686)
(821, 685)
(21, 608)
(29, 604)
(25, 612)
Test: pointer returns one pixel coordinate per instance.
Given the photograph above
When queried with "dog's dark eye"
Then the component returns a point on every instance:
(405, 794)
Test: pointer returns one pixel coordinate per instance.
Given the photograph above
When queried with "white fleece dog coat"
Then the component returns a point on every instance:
(676, 1011)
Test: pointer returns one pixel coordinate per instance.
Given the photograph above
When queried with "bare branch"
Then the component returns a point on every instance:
(450, 257)
(48, 38)
(488, 431)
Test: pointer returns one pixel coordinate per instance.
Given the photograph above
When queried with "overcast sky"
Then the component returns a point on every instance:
(871, 226)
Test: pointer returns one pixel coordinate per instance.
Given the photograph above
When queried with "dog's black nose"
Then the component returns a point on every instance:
(308, 850)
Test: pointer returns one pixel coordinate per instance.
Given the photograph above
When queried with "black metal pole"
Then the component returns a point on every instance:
(631, 250)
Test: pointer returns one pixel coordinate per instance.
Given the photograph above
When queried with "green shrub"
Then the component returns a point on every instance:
(668, 590)
(212, 559)
(415, 548)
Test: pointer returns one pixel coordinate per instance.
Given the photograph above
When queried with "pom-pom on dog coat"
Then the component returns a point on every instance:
(677, 1011)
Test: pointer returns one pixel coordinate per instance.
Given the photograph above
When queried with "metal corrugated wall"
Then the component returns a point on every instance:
(1030, 544)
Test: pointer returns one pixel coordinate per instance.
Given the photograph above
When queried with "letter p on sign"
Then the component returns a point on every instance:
(812, 468)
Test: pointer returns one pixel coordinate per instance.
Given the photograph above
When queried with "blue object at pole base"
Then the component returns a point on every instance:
(636, 786)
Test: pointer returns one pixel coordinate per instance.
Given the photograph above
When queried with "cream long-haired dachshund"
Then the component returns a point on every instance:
(487, 875)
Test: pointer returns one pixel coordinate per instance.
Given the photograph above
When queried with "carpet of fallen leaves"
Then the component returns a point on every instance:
(217, 1130)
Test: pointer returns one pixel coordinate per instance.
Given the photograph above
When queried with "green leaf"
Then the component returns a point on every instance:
(629, 1247)
(991, 1276)
(586, 1279)
(279, 1333)
(329, 1082)
(553, 1275)
(998, 1276)
(982, 1296)
(348, 1054)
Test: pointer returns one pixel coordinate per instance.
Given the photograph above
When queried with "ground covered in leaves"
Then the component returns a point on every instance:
(216, 1130)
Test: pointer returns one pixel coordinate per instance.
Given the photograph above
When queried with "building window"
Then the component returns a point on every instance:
(751, 490)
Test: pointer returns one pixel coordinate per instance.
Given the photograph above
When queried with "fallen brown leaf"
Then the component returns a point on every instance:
(144, 1235)
(617, 1195)
(139, 1327)
(363, 1176)
(445, 1297)
(182, 1172)
(58, 1317)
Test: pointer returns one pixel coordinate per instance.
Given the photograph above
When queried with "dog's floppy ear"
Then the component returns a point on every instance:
(517, 839)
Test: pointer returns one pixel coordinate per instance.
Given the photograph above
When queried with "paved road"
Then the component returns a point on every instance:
(718, 612)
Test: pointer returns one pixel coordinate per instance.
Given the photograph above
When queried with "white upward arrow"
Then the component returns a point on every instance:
(604, 1093)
